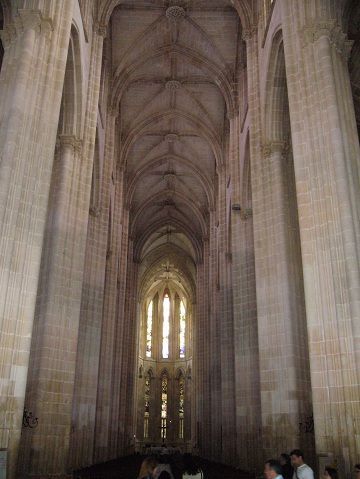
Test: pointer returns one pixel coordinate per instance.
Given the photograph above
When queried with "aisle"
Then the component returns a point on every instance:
(128, 468)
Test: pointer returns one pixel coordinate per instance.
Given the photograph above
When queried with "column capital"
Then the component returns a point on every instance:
(95, 210)
(330, 29)
(249, 32)
(100, 29)
(26, 19)
(246, 213)
(70, 141)
(270, 147)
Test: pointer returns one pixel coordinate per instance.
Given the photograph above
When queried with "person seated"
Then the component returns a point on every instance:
(191, 468)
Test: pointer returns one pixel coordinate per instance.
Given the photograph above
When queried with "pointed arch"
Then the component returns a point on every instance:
(276, 106)
(70, 121)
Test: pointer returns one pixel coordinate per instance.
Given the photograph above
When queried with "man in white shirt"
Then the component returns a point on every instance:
(301, 470)
(273, 469)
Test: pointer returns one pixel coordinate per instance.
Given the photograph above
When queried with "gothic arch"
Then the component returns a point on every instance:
(276, 106)
(179, 373)
(70, 121)
(2, 22)
(242, 7)
(246, 176)
(196, 242)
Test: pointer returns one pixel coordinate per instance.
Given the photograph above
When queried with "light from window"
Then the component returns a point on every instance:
(149, 330)
(166, 327)
(164, 388)
(182, 330)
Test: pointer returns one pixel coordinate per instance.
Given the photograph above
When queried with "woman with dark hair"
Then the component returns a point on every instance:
(330, 473)
(147, 468)
(287, 469)
(191, 468)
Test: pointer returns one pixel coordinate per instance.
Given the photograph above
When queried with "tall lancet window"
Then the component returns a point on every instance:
(149, 326)
(164, 405)
(182, 330)
(166, 326)
(181, 406)
(147, 405)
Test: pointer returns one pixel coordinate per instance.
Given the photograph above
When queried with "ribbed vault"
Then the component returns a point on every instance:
(174, 69)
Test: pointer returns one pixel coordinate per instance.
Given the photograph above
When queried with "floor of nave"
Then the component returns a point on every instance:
(128, 468)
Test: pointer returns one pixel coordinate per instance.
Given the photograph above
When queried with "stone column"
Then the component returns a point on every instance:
(326, 157)
(54, 346)
(225, 321)
(284, 369)
(107, 422)
(246, 351)
(91, 315)
(30, 93)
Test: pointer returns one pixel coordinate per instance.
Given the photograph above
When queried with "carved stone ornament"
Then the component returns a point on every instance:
(171, 137)
(330, 29)
(95, 211)
(246, 213)
(274, 146)
(248, 33)
(100, 29)
(172, 85)
(27, 19)
(70, 141)
(175, 13)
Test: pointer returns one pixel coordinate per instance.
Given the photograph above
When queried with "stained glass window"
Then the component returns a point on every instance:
(182, 330)
(181, 406)
(164, 402)
(147, 405)
(149, 324)
(166, 326)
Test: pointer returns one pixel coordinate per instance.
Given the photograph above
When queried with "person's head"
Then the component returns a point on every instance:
(285, 459)
(147, 467)
(330, 473)
(190, 465)
(272, 469)
(297, 457)
(357, 471)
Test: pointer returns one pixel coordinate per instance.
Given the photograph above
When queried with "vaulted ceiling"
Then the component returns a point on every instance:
(175, 69)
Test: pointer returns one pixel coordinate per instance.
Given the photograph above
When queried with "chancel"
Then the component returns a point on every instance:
(179, 248)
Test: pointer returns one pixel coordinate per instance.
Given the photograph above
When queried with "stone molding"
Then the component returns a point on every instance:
(331, 30)
(26, 20)
(70, 141)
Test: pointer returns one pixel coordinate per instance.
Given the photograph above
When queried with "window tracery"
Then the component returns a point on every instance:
(149, 330)
(181, 406)
(164, 405)
(147, 404)
(182, 330)
(166, 326)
